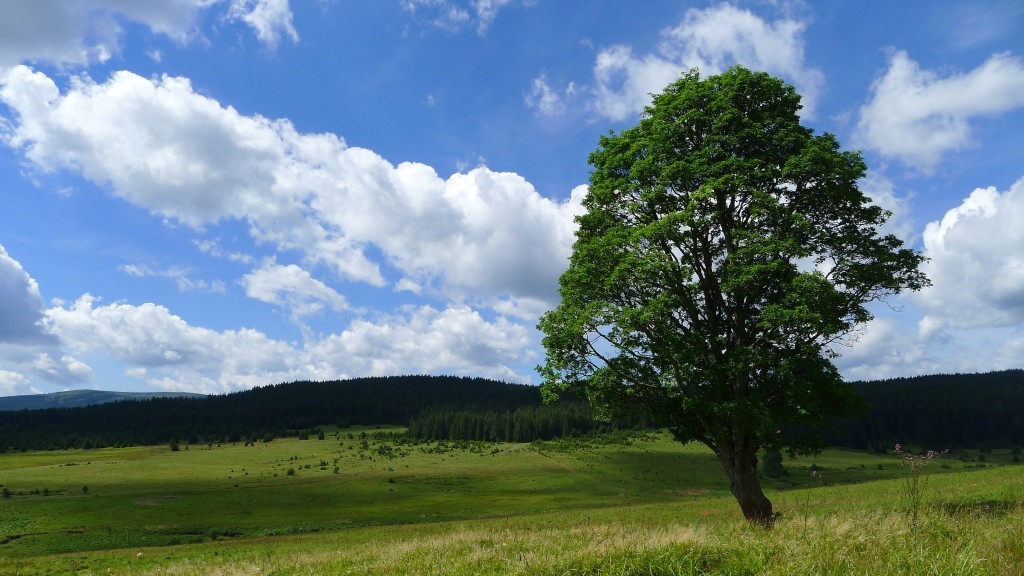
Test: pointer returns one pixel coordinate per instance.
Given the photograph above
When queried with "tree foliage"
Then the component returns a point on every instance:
(724, 249)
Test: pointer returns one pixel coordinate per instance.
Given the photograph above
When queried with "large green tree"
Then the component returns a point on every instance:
(724, 251)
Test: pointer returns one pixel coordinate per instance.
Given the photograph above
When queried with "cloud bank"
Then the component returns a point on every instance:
(917, 116)
(474, 241)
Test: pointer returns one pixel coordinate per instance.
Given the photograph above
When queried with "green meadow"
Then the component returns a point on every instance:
(368, 502)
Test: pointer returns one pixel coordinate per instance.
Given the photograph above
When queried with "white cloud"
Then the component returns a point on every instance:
(293, 288)
(159, 145)
(917, 116)
(157, 142)
(85, 31)
(149, 336)
(270, 19)
(883, 193)
(484, 238)
(546, 100)
(442, 13)
(711, 40)
(25, 344)
(66, 370)
(487, 11)
(883, 348)
(407, 285)
(976, 262)
(167, 352)
(453, 15)
(178, 274)
(21, 305)
(13, 383)
(213, 248)
(457, 340)
(59, 31)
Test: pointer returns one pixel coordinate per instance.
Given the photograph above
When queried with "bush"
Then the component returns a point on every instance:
(771, 464)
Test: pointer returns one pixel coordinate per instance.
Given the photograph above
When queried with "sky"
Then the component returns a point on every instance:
(211, 195)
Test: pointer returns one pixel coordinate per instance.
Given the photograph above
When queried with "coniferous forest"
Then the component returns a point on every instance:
(945, 411)
(938, 412)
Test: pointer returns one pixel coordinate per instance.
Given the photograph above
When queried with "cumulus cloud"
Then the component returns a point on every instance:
(976, 264)
(158, 144)
(13, 383)
(889, 347)
(21, 305)
(80, 32)
(166, 348)
(66, 370)
(293, 288)
(884, 348)
(712, 39)
(165, 351)
(457, 340)
(917, 116)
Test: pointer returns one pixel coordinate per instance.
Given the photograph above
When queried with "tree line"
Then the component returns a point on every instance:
(943, 411)
(565, 419)
(937, 412)
(261, 413)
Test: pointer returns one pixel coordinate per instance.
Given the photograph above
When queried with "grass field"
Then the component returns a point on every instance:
(353, 503)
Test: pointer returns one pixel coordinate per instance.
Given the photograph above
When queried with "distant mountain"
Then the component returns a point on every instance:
(79, 398)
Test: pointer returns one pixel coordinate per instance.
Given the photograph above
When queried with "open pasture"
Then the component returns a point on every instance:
(366, 502)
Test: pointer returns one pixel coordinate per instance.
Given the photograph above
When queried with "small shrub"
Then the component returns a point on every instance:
(291, 472)
(771, 464)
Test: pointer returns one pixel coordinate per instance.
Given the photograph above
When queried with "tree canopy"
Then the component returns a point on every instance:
(724, 250)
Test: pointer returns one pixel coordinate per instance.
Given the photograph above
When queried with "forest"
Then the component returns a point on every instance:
(943, 411)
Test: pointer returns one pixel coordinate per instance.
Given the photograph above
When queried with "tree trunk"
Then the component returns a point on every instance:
(745, 486)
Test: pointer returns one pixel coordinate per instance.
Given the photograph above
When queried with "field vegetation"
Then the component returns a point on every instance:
(373, 501)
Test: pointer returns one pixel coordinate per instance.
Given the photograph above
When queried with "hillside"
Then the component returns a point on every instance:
(79, 398)
(942, 411)
(939, 411)
(259, 414)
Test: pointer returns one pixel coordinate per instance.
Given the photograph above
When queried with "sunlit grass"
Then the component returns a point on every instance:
(650, 507)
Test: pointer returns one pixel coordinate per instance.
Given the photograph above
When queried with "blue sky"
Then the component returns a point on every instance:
(208, 195)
